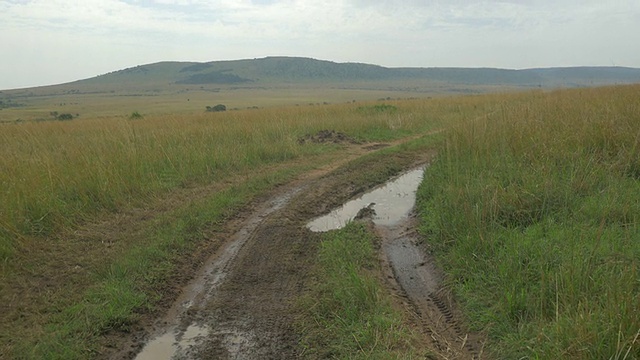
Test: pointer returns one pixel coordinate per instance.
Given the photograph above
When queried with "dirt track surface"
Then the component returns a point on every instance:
(413, 275)
(240, 303)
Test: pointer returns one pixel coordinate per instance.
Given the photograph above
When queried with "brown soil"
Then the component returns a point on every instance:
(196, 272)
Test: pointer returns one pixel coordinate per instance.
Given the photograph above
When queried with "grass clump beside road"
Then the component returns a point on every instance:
(534, 212)
(348, 314)
(122, 289)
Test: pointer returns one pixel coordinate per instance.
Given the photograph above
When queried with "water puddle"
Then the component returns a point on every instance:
(172, 343)
(392, 203)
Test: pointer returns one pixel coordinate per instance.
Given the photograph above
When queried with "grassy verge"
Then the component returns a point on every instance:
(535, 214)
(348, 312)
(123, 289)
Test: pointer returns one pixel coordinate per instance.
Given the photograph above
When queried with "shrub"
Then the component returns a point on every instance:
(216, 108)
(65, 116)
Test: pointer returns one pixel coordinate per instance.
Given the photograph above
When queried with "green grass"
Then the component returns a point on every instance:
(59, 179)
(123, 289)
(534, 212)
(348, 314)
(56, 174)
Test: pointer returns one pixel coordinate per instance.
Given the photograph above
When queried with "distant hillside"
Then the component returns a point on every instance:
(270, 72)
(175, 87)
(304, 70)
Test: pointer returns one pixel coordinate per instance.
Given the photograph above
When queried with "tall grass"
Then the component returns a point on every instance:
(54, 174)
(535, 213)
(57, 178)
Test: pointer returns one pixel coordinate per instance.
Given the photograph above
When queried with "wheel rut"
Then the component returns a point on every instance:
(240, 304)
(188, 315)
(413, 275)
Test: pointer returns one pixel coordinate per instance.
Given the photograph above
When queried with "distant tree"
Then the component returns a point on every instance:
(135, 115)
(217, 108)
(64, 117)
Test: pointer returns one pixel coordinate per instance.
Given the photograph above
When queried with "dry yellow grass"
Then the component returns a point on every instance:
(55, 173)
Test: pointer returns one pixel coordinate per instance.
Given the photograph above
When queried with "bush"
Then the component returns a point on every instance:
(216, 108)
(383, 108)
(64, 117)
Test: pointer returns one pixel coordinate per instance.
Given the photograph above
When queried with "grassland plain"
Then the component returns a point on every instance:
(186, 100)
(181, 176)
(534, 213)
(66, 184)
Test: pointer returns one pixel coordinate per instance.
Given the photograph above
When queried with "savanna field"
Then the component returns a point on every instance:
(532, 209)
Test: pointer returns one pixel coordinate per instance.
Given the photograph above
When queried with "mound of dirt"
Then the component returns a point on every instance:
(367, 212)
(327, 136)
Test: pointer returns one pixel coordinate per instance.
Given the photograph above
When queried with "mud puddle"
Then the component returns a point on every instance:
(178, 333)
(411, 272)
(173, 344)
(390, 204)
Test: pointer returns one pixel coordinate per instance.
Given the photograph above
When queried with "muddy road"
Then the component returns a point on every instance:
(240, 303)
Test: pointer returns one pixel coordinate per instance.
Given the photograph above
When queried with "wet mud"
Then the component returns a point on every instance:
(412, 273)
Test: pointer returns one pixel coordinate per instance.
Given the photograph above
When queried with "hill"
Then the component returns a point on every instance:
(272, 70)
(171, 87)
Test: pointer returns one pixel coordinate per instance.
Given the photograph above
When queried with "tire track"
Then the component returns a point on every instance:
(413, 276)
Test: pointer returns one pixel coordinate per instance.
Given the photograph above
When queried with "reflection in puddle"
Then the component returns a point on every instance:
(171, 343)
(392, 203)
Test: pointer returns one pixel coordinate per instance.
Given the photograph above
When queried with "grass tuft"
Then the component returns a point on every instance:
(348, 312)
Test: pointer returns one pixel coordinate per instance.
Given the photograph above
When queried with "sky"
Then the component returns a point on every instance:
(47, 42)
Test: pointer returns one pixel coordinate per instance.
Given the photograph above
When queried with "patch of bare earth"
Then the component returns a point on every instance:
(327, 136)
(263, 246)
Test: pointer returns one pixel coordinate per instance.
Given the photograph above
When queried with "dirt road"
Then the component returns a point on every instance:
(240, 304)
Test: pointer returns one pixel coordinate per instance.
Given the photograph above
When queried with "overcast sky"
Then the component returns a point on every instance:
(54, 41)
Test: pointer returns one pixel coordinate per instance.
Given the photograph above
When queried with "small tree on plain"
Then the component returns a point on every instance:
(216, 108)
(63, 117)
